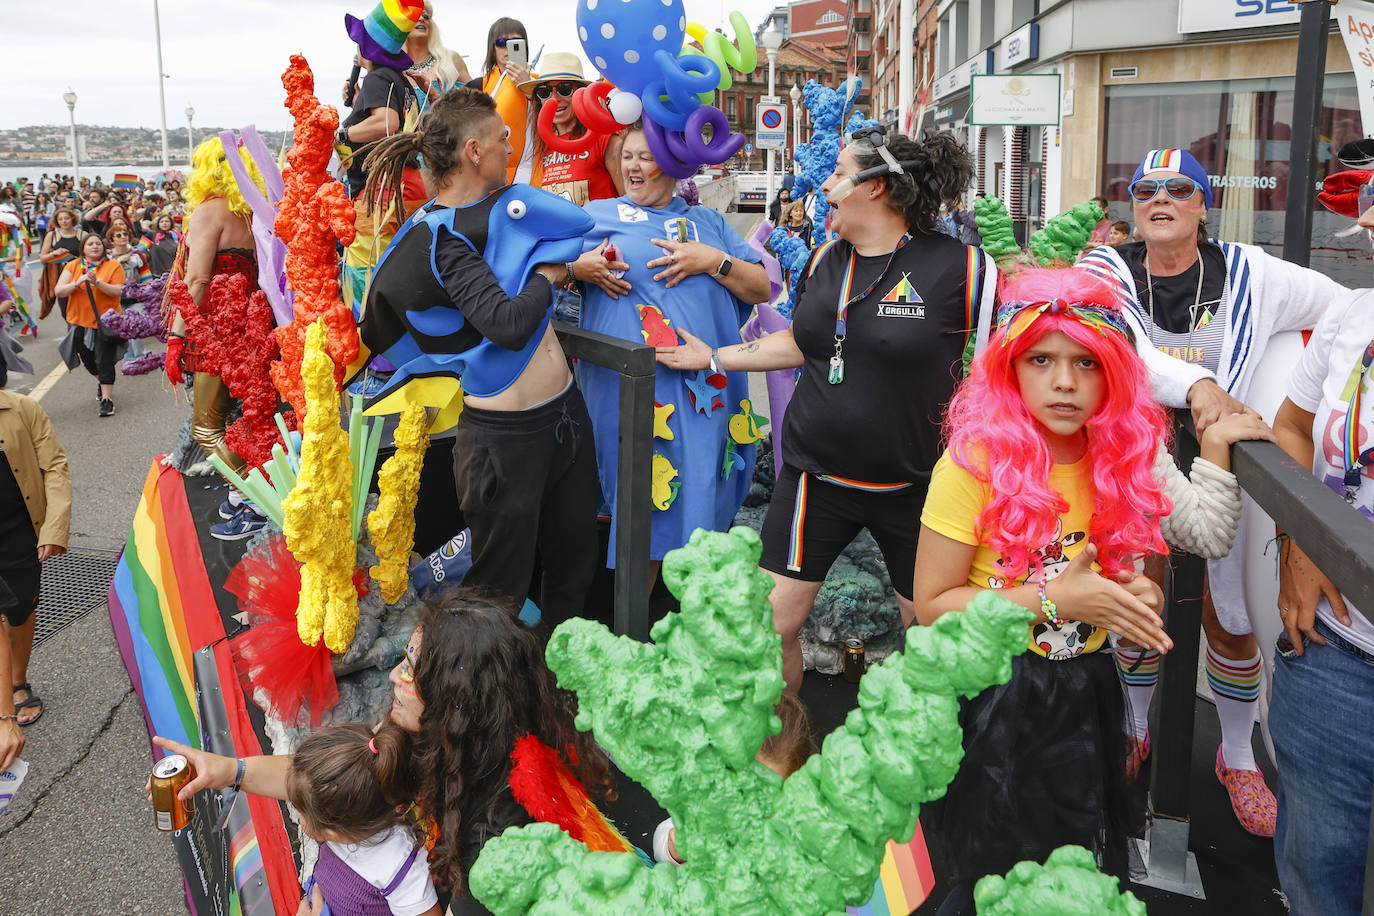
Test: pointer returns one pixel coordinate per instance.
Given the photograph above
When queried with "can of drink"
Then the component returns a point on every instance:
(612, 253)
(854, 664)
(170, 774)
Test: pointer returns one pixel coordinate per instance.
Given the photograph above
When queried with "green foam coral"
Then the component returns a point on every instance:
(1068, 884)
(685, 716)
(1063, 238)
(994, 226)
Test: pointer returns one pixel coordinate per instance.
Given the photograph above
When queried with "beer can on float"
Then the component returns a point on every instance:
(854, 664)
(170, 774)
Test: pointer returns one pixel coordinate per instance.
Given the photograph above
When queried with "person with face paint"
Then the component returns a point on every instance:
(1213, 306)
(880, 325)
(677, 269)
(472, 681)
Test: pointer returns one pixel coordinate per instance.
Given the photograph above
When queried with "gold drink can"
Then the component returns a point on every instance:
(170, 775)
(854, 662)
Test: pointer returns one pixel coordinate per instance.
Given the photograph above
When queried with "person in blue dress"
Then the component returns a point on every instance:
(680, 268)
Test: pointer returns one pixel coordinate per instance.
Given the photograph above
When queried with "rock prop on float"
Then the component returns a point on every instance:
(685, 716)
(1068, 884)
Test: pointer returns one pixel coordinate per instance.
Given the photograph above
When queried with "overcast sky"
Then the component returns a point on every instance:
(225, 57)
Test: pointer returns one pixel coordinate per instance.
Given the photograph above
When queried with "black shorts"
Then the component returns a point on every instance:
(803, 537)
(18, 593)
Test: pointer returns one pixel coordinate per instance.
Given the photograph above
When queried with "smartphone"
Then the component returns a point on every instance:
(519, 54)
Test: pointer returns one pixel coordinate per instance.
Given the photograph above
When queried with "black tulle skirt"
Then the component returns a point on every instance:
(1044, 766)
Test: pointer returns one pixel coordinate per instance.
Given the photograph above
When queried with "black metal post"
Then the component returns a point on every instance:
(1307, 106)
(635, 363)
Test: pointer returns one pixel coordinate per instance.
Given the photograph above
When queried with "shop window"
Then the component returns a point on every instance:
(1240, 131)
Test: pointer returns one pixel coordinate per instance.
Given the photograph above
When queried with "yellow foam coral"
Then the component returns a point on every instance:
(392, 523)
(319, 527)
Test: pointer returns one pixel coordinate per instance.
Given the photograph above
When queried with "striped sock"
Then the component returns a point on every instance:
(1235, 686)
(1139, 672)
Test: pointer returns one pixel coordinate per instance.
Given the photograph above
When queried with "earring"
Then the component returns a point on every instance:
(476, 160)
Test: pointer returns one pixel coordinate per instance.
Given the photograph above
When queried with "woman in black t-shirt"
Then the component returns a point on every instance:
(879, 328)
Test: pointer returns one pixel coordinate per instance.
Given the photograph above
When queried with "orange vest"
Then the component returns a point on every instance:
(81, 310)
(514, 108)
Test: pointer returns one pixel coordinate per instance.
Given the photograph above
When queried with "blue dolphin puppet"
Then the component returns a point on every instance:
(410, 319)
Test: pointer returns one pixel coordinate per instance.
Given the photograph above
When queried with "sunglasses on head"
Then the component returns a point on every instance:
(544, 91)
(1178, 188)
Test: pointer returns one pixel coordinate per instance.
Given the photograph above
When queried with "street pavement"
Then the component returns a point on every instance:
(79, 838)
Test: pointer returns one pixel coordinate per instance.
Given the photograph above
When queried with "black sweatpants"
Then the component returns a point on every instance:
(527, 482)
(100, 359)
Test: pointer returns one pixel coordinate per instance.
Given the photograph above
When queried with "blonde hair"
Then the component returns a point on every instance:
(444, 68)
(211, 177)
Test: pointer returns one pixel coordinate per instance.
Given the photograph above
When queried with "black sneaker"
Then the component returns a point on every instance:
(106, 407)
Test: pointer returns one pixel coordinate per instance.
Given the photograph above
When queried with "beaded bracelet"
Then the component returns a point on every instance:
(1048, 607)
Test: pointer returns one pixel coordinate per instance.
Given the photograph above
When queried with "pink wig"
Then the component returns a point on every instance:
(993, 436)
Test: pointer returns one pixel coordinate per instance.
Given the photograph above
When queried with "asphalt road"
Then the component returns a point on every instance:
(79, 838)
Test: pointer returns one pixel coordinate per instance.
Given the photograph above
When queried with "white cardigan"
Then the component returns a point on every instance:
(1206, 506)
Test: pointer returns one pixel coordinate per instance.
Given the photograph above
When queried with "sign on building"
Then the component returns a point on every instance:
(771, 128)
(1032, 98)
(1228, 15)
(1019, 47)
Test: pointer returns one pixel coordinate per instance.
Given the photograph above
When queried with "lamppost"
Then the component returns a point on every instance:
(161, 91)
(796, 95)
(772, 40)
(190, 142)
(70, 98)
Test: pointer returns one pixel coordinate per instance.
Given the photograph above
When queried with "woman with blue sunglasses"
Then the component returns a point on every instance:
(1215, 307)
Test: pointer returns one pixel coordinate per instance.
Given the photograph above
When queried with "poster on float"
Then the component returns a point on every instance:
(1356, 19)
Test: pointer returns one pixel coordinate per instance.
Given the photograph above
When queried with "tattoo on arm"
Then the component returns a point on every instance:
(747, 348)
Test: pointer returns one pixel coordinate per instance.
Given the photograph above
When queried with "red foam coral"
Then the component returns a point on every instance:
(314, 213)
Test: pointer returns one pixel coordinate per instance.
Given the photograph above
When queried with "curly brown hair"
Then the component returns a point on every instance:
(943, 169)
(484, 683)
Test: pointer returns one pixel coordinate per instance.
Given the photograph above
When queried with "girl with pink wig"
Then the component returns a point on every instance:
(1055, 484)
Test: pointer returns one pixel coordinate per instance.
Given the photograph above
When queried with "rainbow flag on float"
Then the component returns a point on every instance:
(125, 180)
(162, 608)
(905, 879)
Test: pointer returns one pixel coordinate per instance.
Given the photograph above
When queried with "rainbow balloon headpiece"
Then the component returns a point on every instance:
(381, 37)
(1014, 318)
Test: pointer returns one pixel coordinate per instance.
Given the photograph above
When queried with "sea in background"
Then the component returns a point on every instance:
(9, 173)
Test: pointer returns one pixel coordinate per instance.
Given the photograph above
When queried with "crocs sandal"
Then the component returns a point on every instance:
(33, 701)
(1251, 799)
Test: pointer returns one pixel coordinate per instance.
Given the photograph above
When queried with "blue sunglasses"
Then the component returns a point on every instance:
(1179, 188)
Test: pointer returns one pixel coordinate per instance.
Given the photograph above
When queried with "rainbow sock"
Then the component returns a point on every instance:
(1139, 673)
(1235, 686)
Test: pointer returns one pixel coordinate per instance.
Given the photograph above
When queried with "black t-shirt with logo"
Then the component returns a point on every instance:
(902, 359)
(382, 87)
(1175, 296)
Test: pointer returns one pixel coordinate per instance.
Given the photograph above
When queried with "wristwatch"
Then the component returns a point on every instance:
(341, 137)
(724, 269)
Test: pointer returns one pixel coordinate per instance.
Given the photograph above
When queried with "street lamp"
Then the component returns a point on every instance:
(70, 98)
(796, 95)
(190, 143)
(161, 91)
(772, 40)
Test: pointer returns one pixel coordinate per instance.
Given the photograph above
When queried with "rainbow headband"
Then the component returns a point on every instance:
(1015, 317)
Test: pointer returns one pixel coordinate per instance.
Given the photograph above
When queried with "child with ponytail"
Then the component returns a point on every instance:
(1055, 485)
(351, 788)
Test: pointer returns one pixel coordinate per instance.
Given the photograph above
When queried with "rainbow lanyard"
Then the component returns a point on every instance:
(846, 300)
(1355, 460)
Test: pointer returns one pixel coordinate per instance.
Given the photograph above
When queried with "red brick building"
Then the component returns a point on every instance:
(798, 61)
(818, 21)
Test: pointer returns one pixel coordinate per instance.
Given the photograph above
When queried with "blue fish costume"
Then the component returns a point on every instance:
(524, 478)
(409, 320)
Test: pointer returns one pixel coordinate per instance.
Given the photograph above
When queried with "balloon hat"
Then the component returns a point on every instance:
(381, 37)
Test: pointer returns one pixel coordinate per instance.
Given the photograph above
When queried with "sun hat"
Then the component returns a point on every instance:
(381, 37)
(1175, 160)
(558, 67)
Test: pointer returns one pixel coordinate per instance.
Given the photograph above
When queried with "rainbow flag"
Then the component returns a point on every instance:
(162, 608)
(125, 180)
(905, 879)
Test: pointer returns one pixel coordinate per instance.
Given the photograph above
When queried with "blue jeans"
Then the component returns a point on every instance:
(1322, 721)
(567, 305)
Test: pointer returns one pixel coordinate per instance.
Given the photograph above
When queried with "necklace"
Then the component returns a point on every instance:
(1192, 310)
(424, 65)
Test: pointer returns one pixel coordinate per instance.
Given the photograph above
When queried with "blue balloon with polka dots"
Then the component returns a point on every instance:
(621, 36)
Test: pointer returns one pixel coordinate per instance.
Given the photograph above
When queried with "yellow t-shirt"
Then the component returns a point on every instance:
(952, 507)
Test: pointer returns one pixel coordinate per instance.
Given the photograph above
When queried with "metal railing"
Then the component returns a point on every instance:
(634, 463)
(1321, 523)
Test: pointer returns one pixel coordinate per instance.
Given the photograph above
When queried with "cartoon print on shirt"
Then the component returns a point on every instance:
(1057, 643)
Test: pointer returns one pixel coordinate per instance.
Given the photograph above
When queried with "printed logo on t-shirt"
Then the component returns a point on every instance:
(629, 214)
(902, 301)
(1071, 639)
(680, 229)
